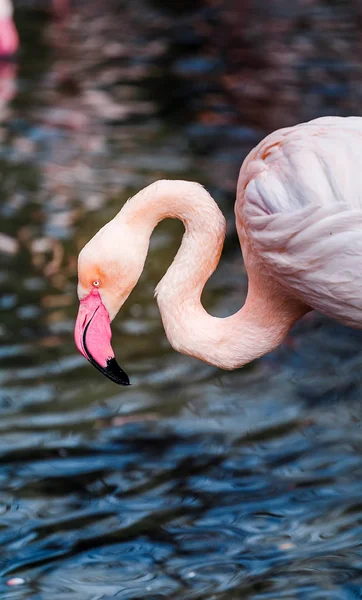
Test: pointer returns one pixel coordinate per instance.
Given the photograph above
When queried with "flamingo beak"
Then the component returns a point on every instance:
(92, 335)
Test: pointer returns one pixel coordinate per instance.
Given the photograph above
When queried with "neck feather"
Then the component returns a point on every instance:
(230, 342)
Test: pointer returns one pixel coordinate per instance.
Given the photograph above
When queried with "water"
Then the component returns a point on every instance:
(193, 483)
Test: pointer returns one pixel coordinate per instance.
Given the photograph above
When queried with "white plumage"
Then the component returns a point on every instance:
(300, 202)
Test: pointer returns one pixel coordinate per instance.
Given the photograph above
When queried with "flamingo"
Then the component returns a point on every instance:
(9, 40)
(299, 221)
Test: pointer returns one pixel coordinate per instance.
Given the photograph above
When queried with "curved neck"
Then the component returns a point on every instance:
(230, 342)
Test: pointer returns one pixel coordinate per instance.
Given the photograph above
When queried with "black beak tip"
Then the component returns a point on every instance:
(114, 372)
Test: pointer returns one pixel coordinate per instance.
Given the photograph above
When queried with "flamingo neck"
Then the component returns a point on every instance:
(230, 342)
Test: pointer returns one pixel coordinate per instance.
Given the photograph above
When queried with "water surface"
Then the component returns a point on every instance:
(193, 483)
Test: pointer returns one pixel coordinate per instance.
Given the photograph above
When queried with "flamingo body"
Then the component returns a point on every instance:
(299, 202)
(299, 221)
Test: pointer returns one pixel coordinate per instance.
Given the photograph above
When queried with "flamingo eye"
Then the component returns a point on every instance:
(96, 283)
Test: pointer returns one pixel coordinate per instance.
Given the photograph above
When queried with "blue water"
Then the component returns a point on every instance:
(193, 483)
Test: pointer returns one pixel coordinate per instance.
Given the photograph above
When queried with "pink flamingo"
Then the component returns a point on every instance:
(9, 40)
(299, 221)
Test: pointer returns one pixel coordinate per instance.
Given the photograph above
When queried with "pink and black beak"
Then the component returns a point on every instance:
(93, 335)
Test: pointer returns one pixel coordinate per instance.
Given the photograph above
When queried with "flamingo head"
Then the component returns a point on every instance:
(108, 268)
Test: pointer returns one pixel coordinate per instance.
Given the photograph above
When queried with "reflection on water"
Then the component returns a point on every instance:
(193, 483)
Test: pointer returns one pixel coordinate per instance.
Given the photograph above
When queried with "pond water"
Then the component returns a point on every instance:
(192, 483)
